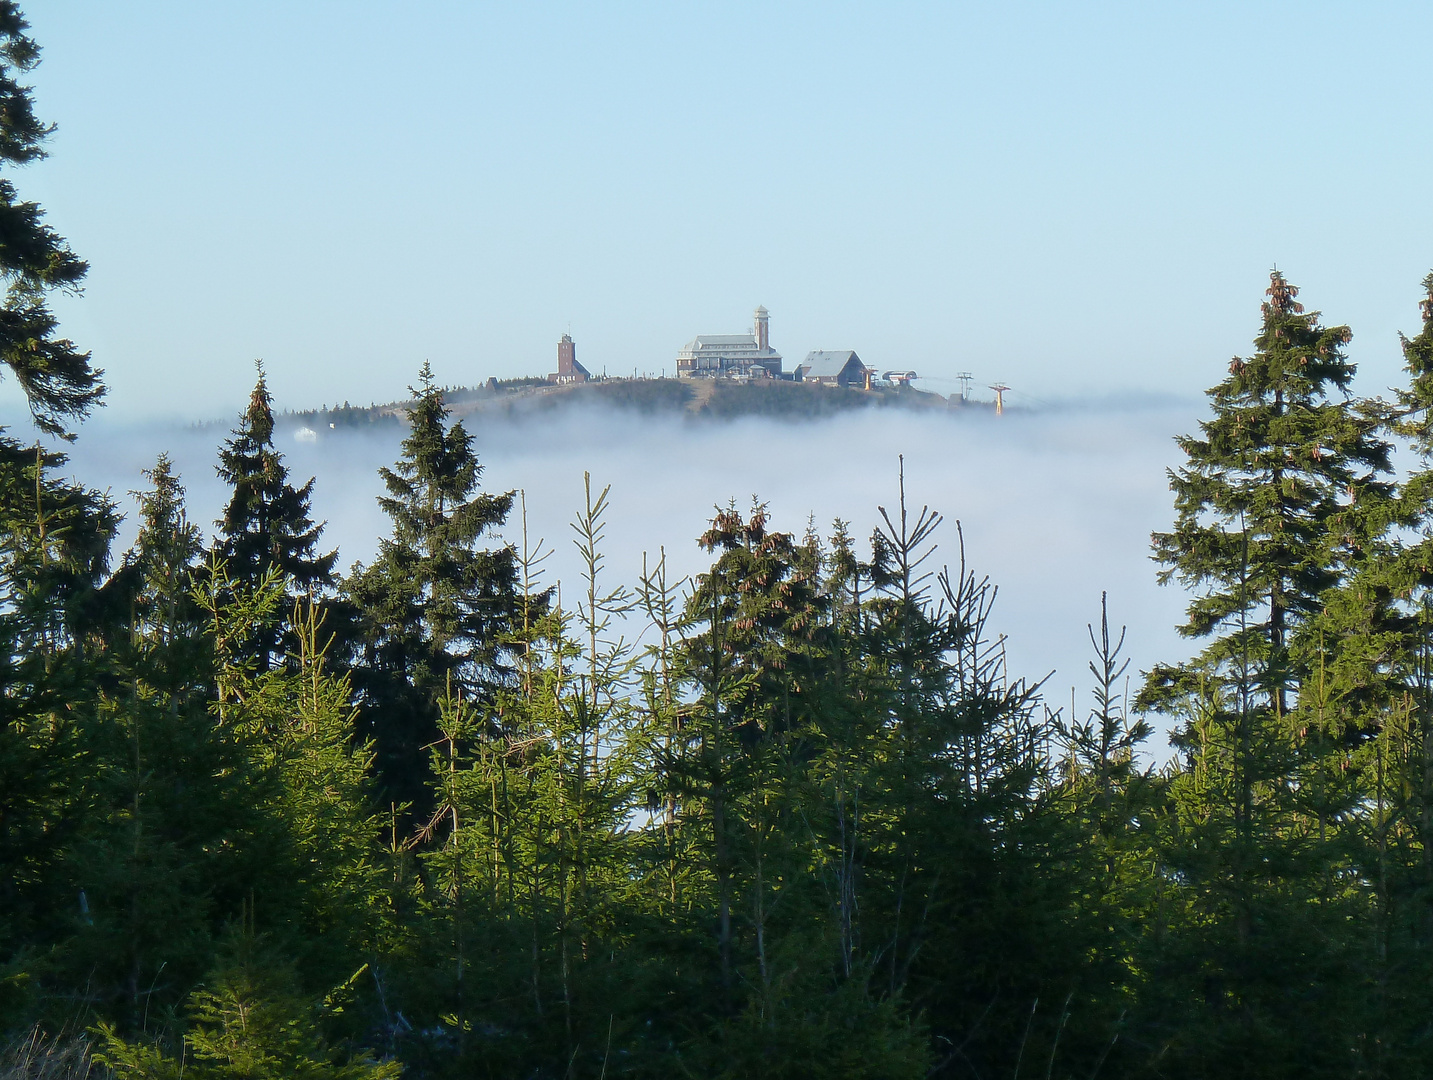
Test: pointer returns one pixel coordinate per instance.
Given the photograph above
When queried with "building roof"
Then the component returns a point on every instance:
(822, 364)
(708, 341)
(741, 346)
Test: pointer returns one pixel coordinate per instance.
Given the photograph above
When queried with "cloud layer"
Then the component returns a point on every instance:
(1055, 506)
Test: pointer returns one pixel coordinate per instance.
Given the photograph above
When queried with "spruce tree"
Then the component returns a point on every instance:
(965, 886)
(168, 852)
(1261, 498)
(54, 550)
(1390, 656)
(251, 1019)
(753, 615)
(535, 800)
(156, 583)
(1265, 505)
(1417, 399)
(58, 381)
(267, 525)
(436, 609)
(323, 895)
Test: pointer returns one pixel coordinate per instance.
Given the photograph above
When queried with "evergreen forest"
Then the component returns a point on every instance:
(439, 816)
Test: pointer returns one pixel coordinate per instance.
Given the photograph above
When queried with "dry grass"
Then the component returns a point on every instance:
(36, 1056)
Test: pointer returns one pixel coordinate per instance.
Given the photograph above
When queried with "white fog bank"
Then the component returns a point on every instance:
(1055, 506)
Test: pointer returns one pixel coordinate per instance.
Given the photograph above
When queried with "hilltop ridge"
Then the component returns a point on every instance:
(697, 399)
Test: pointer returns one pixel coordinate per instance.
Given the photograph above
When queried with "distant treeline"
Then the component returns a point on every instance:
(439, 817)
(721, 399)
(730, 400)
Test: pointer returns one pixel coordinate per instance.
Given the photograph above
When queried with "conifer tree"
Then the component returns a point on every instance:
(964, 882)
(59, 383)
(1264, 509)
(219, 795)
(535, 797)
(250, 1020)
(1260, 501)
(1417, 399)
(752, 614)
(1112, 805)
(267, 524)
(175, 803)
(1386, 652)
(54, 550)
(300, 730)
(164, 625)
(436, 608)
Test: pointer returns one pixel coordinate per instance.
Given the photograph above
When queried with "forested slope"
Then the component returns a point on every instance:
(695, 400)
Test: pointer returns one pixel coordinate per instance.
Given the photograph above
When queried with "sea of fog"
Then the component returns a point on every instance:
(1056, 506)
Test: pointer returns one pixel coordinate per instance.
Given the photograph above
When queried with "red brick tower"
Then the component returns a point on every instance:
(763, 331)
(568, 369)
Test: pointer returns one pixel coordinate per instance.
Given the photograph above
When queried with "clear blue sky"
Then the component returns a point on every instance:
(1073, 198)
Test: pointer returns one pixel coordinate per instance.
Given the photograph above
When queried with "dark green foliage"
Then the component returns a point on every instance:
(786, 399)
(348, 417)
(1270, 512)
(1380, 660)
(252, 1021)
(54, 540)
(1417, 399)
(165, 622)
(805, 401)
(644, 395)
(520, 382)
(516, 400)
(435, 608)
(647, 396)
(59, 383)
(266, 528)
(1261, 500)
(54, 553)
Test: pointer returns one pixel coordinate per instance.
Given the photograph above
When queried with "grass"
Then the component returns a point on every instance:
(37, 1056)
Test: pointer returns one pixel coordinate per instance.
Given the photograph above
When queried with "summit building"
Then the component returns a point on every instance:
(714, 356)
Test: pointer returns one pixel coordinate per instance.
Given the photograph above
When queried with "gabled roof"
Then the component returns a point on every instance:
(827, 364)
(709, 340)
(742, 347)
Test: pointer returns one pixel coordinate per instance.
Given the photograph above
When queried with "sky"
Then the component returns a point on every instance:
(1080, 200)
